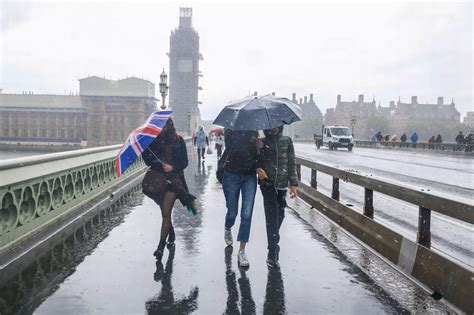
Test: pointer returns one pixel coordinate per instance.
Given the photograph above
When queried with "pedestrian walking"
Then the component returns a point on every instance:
(414, 139)
(276, 171)
(394, 140)
(379, 136)
(167, 157)
(459, 138)
(201, 140)
(431, 142)
(239, 179)
(403, 138)
(219, 145)
(469, 142)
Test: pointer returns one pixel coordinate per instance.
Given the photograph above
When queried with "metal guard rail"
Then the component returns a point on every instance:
(425, 201)
(450, 147)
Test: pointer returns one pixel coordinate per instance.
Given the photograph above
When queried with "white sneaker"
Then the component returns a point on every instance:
(242, 258)
(228, 237)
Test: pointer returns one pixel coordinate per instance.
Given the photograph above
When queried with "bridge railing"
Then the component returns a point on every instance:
(36, 191)
(448, 147)
(436, 270)
(426, 202)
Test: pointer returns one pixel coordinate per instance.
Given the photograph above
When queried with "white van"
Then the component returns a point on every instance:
(335, 137)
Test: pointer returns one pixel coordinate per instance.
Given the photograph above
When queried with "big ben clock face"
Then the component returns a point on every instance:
(185, 65)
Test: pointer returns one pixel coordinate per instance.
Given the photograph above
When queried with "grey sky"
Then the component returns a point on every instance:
(387, 50)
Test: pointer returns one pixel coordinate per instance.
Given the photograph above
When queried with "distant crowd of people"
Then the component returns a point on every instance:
(433, 141)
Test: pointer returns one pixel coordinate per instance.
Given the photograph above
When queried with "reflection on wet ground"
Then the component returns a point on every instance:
(166, 302)
(117, 274)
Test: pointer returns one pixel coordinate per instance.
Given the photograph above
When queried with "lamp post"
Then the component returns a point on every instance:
(163, 88)
(353, 123)
(189, 118)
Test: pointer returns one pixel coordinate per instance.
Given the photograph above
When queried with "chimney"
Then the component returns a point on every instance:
(440, 100)
(414, 100)
(293, 97)
(311, 97)
(273, 93)
(338, 98)
(305, 99)
(361, 98)
(255, 93)
(301, 101)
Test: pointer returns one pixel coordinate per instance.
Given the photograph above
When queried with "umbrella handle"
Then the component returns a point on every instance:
(159, 160)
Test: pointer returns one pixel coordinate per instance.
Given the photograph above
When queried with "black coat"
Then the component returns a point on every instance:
(179, 157)
(242, 153)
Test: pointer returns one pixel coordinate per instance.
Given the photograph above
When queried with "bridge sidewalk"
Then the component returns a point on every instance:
(121, 277)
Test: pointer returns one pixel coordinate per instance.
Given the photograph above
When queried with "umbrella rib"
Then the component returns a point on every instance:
(268, 115)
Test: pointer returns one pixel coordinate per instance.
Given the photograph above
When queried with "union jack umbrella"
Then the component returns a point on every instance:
(139, 139)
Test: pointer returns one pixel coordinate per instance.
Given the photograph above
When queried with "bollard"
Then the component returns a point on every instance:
(335, 188)
(298, 171)
(369, 203)
(314, 179)
(424, 222)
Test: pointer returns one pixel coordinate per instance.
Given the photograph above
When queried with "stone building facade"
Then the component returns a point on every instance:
(114, 108)
(312, 118)
(184, 73)
(104, 112)
(396, 119)
(30, 118)
(410, 115)
(344, 111)
(469, 119)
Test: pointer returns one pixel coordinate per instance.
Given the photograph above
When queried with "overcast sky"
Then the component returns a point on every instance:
(326, 48)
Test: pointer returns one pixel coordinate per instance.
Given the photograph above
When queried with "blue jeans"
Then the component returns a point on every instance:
(233, 184)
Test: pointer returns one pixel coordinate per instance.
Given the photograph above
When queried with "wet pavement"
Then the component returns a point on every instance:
(108, 268)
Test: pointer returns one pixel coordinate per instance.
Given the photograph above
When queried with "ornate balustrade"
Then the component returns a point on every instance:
(36, 191)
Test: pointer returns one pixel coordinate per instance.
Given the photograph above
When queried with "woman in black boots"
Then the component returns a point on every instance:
(166, 156)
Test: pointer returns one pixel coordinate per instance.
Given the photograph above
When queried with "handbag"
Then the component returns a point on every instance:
(154, 183)
(220, 166)
(209, 150)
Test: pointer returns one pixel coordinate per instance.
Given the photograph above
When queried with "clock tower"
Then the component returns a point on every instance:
(184, 73)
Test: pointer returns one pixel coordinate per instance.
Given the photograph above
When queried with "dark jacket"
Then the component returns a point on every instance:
(179, 157)
(277, 159)
(241, 152)
(403, 138)
(459, 139)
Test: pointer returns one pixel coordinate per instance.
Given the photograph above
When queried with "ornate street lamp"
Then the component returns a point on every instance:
(353, 123)
(163, 88)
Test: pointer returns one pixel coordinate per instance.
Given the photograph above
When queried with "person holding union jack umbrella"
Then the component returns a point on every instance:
(164, 150)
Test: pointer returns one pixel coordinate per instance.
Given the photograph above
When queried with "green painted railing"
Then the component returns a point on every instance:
(36, 191)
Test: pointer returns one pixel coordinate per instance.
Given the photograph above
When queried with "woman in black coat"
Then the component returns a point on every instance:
(167, 154)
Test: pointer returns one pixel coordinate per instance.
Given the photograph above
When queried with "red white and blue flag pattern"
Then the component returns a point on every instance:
(140, 139)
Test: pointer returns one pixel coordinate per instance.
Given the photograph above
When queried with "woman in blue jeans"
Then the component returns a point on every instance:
(240, 177)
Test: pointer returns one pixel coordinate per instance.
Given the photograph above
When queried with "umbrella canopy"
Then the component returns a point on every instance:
(139, 139)
(259, 113)
(217, 131)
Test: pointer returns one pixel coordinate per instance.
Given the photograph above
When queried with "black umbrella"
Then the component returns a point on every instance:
(258, 113)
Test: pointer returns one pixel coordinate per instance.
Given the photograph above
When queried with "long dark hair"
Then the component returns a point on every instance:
(169, 134)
